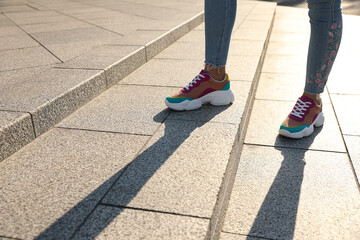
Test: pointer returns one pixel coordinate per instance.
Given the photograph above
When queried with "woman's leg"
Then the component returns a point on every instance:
(219, 22)
(326, 29)
(211, 84)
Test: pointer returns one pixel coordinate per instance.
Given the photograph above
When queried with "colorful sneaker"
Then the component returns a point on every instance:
(202, 89)
(301, 121)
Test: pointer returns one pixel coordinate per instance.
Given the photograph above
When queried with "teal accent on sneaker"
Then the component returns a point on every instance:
(227, 86)
(294, 129)
(177, 100)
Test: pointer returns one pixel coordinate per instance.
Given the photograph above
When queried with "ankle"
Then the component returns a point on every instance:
(315, 97)
(217, 73)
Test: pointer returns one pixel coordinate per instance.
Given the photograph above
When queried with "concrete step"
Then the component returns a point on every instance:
(123, 166)
(57, 57)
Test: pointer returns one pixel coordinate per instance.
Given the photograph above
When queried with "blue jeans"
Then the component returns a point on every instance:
(326, 29)
(219, 22)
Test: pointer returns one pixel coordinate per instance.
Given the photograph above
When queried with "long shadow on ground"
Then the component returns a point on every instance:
(277, 215)
(131, 178)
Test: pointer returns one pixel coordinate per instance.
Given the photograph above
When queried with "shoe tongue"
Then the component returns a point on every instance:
(304, 99)
(206, 77)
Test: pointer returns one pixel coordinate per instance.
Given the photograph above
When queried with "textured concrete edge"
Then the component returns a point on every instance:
(224, 194)
(52, 112)
(157, 45)
(355, 171)
(125, 66)
(16, 135)
(136, 59)
(56, 109)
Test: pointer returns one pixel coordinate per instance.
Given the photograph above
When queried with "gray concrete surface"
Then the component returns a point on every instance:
(283, 193)
(124, 111)
(123, 164)
(161, 179)
(17, 129)
(84, 35)
(49, 187)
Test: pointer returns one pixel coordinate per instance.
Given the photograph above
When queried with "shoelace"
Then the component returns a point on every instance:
(197, 78)
(300, 106)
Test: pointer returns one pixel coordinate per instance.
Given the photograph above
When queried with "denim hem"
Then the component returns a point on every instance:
(314, 93)
(215, 65)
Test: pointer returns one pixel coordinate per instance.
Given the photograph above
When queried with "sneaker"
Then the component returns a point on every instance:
(202, 89)
(305, 115)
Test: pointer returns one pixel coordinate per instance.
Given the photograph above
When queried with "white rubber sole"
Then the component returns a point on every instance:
(217, 98)
(319, 121)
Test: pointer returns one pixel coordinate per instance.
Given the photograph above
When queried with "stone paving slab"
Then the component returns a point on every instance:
(17, 41)
(282, 193)
(121, 110)
(118, 223)
(196, 36)
(60, 6)
(167, 73)
(16, 130)
(346, 83)
(246, 32)
(15, 75)
(15, 8)
(101, 58)
(175, 173)
(21, 58)
(256, 24)
(54, 27)
(244, 48)
(348, 115)
(141, 37)
(49, 187)
(150, 11)
(292, 37)
(273, 86)
(243, 68)
(184, 50)
(290, 25)
(67, 44)
(5, 22)
(267, 116)
(35, 17)
(159, 44)
(85, 35)
(10, 31)
(284, 64)
(124, 66)
(290, 48)
(264, 16)
(352, 144)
